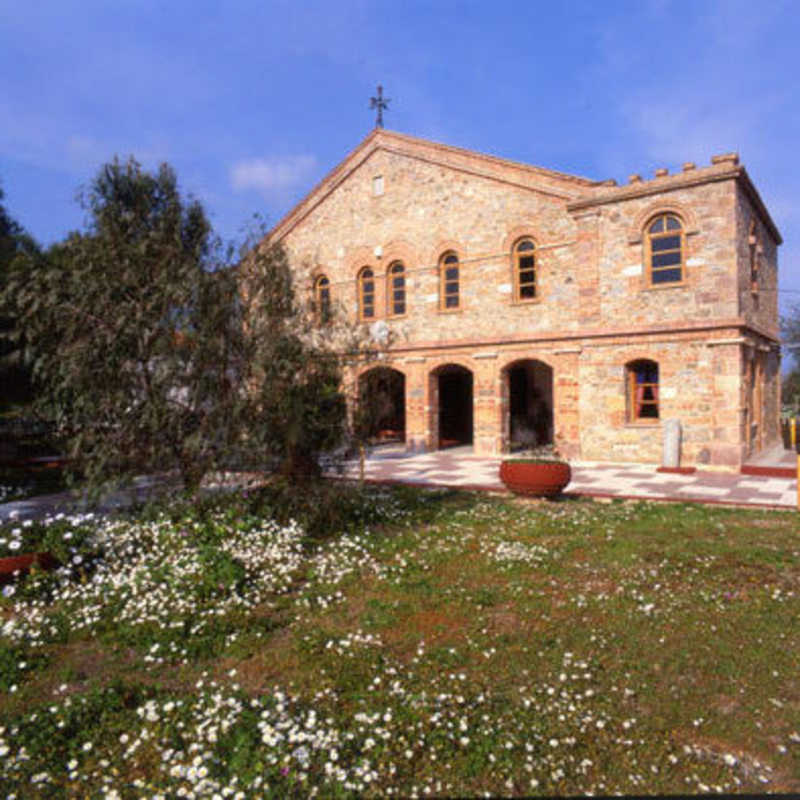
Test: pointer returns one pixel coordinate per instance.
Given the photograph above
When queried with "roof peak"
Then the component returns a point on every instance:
(464, 151)
(558, 184)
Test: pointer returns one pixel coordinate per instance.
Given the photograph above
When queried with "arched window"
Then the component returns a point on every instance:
(642, 381)
(525, 270)
(666, 250)
(366, 294)
(397, 289)
(322, 298)
(449, 282)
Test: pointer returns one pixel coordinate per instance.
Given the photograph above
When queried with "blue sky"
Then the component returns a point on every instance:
(253, 102)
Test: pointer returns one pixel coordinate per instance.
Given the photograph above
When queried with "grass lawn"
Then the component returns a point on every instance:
(404, 642)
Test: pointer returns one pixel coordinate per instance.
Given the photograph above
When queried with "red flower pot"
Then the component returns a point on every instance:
(22, 563)
(535, 478)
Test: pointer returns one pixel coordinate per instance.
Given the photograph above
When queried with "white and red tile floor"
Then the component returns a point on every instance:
(459, 467)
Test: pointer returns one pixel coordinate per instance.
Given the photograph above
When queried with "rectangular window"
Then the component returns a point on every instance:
(527, 278)
(377, 186)
(368, 300)
(643, 391)
(666, 246)
(449, 280)
(524, 265)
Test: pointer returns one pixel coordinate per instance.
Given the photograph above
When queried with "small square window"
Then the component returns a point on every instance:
(377, 186)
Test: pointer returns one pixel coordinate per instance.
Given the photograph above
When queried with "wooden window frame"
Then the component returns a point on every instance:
(516, 258)
(634, 387)
(665, 234)
(364, 274)
(446, 285)
(322, 299)
(396, 268)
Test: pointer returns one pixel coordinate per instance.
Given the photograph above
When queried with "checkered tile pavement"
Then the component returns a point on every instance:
(460, 468)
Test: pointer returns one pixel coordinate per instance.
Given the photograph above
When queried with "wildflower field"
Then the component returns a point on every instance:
(402, 642)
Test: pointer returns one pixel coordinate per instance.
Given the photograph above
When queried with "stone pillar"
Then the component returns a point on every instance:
(503, 413)
(416, 403)
(586, 267)
(485, 404)
(671, 456)
(728, 403)
(772, 397)
(431, 395)
(566, 394)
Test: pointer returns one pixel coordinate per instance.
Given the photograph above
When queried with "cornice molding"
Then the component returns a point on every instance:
(590, 338)
(664, 185)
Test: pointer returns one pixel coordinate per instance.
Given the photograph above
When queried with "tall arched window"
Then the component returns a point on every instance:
(366, 294)
(322, 298)
(642, 383)
(449, 282)
(397, 289)
(666, 250)
(525, 270)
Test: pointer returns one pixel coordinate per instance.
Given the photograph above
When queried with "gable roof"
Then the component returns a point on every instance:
(524, 176)
(578, 193)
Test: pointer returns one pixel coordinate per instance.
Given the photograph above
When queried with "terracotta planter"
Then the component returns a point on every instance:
(535, 478)
(22, 563)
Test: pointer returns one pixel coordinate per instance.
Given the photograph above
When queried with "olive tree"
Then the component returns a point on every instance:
(15, 381)
(156, 350)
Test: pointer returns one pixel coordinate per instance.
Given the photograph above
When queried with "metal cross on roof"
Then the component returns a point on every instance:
(380, 103)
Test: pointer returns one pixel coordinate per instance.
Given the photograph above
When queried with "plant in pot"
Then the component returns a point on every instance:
(536, 473)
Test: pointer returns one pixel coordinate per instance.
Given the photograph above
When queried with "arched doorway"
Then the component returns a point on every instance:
(382, 404)
(528, 407)
(451, 389)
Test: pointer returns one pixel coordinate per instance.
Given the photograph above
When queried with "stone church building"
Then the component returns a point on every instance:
(525, 306)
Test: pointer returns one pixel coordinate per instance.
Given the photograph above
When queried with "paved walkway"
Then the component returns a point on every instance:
(458, 467)
(68, 503)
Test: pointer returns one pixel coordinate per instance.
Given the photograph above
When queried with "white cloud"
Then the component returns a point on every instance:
(271, 176)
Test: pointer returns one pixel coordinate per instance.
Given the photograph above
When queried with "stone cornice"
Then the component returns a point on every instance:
(755, 198)
(497, 161)
(555, 338)
(684, 180)
(482, 173)
(662, 185)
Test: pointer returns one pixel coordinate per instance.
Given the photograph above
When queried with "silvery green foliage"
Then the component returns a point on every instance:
(147, 354)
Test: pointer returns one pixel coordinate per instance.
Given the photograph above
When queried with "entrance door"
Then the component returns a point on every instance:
(530, 404)
(455, 406)
(382, 404)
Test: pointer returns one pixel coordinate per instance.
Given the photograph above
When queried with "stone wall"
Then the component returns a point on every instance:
(401, 199)
(699, 381)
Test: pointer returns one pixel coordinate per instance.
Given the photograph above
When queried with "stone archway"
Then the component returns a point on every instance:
(382, 401)
(451, 391)
(528, 404)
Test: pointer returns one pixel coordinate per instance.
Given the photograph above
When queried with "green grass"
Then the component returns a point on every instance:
(429, 642)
